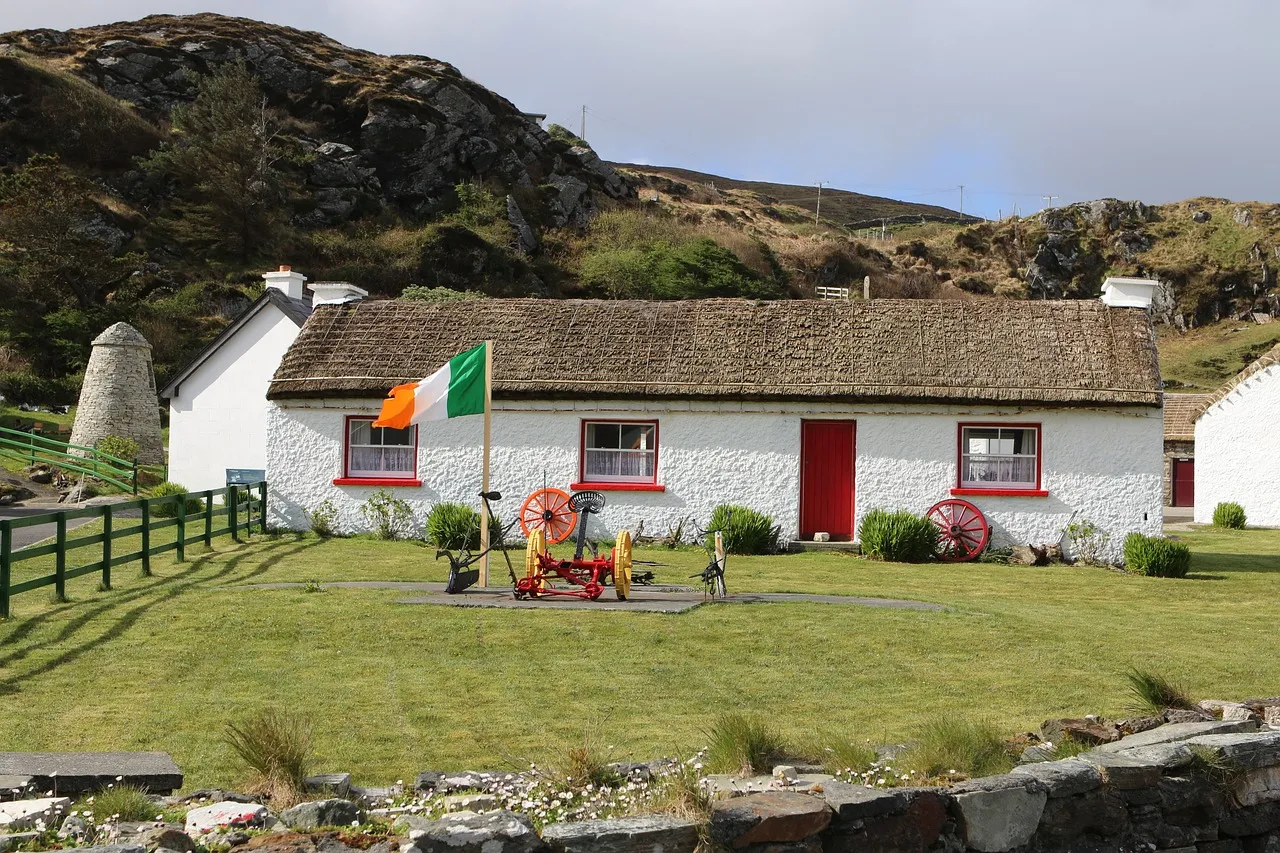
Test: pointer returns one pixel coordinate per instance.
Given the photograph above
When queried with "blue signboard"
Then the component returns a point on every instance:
(245, 476)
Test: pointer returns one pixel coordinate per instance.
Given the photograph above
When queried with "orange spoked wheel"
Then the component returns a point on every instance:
(548, 510)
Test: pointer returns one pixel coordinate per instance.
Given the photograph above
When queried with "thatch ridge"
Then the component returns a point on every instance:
(1268, 358)
(998, 351)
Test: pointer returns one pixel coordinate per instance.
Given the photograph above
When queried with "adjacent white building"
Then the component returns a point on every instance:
(1238, 445)
(218, 402)
(1039, 413)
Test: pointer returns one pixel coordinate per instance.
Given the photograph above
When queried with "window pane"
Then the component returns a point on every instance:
(637, 437)
(604, 435)
(360, 432)
(397, 437)
(998, 457)
(620, 452)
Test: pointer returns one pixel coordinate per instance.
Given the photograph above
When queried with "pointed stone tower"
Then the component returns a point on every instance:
(118, 396)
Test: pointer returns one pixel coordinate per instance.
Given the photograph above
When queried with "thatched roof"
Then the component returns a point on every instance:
(1180, 412)
(996, 351)
(1268, 358)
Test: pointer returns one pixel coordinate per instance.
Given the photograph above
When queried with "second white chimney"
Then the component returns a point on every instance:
(1118, 292)
(335, 293)
(286, 281)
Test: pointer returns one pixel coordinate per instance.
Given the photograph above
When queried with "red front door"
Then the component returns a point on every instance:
(1184, 482)
(826, 479)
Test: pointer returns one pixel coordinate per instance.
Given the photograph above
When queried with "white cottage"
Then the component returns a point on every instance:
(218, 402)
(1238, 445)
(815, 412)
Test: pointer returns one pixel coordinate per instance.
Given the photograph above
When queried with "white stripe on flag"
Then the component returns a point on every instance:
(431, 397)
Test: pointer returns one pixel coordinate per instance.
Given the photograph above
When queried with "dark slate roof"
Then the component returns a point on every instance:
(297, 310)
(1073, 352)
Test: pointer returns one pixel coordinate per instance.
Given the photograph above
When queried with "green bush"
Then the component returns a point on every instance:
(169, 509)
(744, 530)
(389, 516)
(1230, 515)
(275, 746)
(120, 448)
(323, 519)
(455, 526)
(900, 536)
(947, 745)
(1156, 556)
(27, 389)
(120, 802)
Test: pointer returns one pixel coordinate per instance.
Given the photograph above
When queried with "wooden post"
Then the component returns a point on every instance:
(262, 506)
(60, 571)
(146, 538)
(720, 550)
(106, 547)
(484, 466)
(180, 510)
(6, 549)
(232, 499)
(208, 518)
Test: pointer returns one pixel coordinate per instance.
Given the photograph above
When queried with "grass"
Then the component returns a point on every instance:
(275, 747)
(1202, 359)
(948, 745)
(742, 743)
(395, 689)
(119, 802)
(1153, 692)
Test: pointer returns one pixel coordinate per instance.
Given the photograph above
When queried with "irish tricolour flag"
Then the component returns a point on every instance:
(454, 390)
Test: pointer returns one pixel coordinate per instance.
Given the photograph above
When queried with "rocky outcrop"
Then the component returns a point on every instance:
(394, 131)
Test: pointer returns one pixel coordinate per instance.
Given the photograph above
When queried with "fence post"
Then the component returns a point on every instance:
(262, 507)
(106, 547)
(60, 572)
(233, 498)
(6, 548)
(208, 518)
(181, 511)
(146, 537)
(135, 477)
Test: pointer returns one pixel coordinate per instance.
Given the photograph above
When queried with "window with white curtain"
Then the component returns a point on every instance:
(993, 457)
(619, 452)
(381, 452)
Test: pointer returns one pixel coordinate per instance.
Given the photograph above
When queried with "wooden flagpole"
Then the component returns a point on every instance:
(484, 469)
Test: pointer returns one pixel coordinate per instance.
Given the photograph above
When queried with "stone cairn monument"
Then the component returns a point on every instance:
(118, 396)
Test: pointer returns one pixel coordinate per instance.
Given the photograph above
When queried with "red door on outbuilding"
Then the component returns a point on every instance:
(1184, 482)
(826, 479)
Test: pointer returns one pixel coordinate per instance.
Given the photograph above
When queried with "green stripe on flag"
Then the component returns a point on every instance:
(466, 383)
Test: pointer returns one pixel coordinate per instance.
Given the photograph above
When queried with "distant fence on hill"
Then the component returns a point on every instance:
(33, 448)
(197, 517)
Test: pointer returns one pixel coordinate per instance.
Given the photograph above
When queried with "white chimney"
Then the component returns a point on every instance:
(286, 281)
(335, 293)
(1120, 292)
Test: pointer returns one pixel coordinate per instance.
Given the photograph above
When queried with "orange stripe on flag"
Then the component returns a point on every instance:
(397, 409)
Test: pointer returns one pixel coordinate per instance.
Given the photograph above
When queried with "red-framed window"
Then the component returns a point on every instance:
(378, 455)
(999, 458)
(618, 454)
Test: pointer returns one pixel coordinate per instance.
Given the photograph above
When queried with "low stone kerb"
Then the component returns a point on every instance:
(640, 834)
(770, 817)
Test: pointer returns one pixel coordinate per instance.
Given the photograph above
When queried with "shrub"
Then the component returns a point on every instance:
(900, 536)
(948, 745)
(740, 743)
(120, 448)
(275, 746)
(744, 530)
(1153, 693)
(168, 509)
(26, 389)
(1230, 515)
(1156, 556)
(454, 526)
(120, 802)
(323, 519)
(388, 515)
(1088, 542)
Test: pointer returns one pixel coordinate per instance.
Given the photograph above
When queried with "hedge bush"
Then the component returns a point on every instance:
(1229, 514)
(453, 526)
(899, 536)
(744, 530)
(1156, 556)
(26, 389)
(117, 446)
(170, 509)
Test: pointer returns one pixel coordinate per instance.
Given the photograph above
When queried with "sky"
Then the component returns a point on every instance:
(1156, 100)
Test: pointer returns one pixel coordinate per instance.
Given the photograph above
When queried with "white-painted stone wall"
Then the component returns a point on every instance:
(1099, 465)
(1238, 451)
(217, 419)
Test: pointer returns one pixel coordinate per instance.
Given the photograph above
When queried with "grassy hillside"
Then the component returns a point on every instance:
(1202, 359)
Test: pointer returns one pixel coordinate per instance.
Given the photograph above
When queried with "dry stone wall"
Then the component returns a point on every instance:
(118, 397)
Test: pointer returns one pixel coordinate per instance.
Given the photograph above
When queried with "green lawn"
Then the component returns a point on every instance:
(166, 662)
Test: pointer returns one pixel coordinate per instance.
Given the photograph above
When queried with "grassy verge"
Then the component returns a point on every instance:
(166, 662)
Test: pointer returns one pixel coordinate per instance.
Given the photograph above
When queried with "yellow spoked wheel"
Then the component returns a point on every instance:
(622, 565)
(537, 545)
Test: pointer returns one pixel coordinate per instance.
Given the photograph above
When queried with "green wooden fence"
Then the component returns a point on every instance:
(243, 508)
(32, 448)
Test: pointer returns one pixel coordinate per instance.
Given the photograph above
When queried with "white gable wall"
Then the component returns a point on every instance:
(1099, 465)
(1238, 451)
(217, 420)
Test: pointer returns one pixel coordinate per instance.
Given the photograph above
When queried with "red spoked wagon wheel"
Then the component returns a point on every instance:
(548, 510)
(962, 530)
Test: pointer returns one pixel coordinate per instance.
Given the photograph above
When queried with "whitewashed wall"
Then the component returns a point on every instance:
(218, 418)
(1099, 465)
(1238, 451)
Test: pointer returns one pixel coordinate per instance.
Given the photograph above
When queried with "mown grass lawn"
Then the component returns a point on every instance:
(165, 662)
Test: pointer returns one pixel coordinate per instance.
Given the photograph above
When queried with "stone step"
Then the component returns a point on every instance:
(83, 772)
